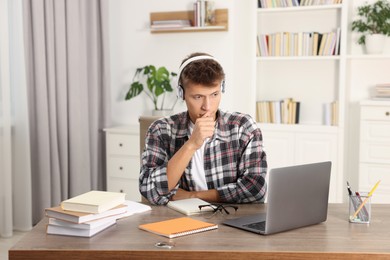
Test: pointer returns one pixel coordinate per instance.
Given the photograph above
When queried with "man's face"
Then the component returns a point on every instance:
(202, 100)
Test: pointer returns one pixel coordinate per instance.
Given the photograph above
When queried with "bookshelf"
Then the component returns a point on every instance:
(313, 81)
(221, 21)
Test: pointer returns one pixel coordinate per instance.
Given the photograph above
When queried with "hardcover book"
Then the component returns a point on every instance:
(69, 231)
(81, 217)
(94, 201)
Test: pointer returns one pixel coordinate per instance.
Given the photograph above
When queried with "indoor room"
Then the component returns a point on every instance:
(81, 82)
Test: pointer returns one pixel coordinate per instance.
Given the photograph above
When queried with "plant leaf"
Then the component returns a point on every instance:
(135, 89)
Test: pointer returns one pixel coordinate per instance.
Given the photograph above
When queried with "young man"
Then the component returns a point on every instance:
(204, 152)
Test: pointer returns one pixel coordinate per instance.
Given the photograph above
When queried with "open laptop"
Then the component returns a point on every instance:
(297, 197)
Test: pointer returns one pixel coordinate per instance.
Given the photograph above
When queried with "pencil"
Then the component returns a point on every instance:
(366, 199)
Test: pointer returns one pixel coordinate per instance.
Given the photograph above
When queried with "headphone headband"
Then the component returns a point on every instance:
(179, 88)
(201, 57)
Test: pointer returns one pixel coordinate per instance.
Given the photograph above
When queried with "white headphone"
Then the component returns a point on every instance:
(179, 88)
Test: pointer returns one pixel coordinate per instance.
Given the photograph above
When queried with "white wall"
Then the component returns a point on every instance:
(132, 46)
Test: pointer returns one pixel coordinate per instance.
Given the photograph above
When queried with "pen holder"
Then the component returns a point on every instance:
(360, 208)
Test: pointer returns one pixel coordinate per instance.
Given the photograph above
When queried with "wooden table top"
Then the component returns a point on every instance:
(334, 239)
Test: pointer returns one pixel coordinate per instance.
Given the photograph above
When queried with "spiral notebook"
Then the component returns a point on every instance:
(178, 227)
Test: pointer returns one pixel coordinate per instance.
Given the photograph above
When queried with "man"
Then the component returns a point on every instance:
(204, 152)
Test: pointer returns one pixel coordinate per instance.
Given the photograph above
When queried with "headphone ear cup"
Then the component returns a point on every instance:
(223, 86)
(180, 92)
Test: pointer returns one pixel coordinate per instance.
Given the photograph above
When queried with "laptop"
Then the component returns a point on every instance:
(297, 197)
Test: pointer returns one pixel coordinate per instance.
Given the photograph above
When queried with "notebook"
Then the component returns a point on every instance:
(297, 197)
(188, 206)
(178, 227)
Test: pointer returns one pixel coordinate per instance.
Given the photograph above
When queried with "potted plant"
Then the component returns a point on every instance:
(158, 84)
(374, 25)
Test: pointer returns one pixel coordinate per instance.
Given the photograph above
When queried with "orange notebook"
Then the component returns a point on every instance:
(178, 227)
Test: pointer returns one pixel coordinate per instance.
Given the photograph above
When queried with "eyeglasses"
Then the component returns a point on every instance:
(210, 210)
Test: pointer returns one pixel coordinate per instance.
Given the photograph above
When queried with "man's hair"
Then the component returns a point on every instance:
(205, 72)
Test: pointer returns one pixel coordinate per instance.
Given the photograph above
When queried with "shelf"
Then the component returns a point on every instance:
(302, 128)
(369, 57)
(298, 8)
(280, 58)
(221, 21)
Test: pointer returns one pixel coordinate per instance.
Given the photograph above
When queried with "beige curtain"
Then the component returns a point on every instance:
(15, 171)
(67, 57)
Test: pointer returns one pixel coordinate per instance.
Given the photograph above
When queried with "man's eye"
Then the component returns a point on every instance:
(197, 97)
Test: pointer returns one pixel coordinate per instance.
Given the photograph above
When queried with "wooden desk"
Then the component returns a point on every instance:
(334, 239)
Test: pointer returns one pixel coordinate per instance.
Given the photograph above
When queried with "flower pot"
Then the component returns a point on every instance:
(375, 43)
(162, 112)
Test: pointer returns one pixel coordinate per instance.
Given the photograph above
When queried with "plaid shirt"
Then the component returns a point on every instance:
(234, 161)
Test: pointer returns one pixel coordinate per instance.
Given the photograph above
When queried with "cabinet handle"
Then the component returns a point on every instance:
(387, 113)
(120, 168)
(121, 191)
(120, 144)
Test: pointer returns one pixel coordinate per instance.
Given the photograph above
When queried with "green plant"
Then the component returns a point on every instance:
(373, 19)
(158, 83)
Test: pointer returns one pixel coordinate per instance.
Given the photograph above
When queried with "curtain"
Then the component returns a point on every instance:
(67, 56)
(15, 170)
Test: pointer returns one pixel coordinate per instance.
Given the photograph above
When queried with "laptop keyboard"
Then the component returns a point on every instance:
(257, 225)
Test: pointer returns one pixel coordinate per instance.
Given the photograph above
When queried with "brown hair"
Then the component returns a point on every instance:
(205, 72)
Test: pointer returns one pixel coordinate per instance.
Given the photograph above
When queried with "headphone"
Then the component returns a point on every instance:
(179, 88)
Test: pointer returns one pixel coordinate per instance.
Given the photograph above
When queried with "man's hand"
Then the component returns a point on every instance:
(182, 194)
(204, 128)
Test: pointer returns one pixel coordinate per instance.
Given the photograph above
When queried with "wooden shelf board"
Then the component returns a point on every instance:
(221, 21)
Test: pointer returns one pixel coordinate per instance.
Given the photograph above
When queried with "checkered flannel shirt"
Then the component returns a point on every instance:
(234, 160)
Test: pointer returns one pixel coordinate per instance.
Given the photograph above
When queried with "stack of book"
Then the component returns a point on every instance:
(284, 111)
(90, 213)
(382, 91)
(169, 24)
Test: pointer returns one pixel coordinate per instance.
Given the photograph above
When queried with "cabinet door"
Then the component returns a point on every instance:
(369, 174)
(315, 147)
(320, 147)
(279, 148)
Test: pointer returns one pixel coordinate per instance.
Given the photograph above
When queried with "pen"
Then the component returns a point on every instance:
(366, 199)
(349, 189)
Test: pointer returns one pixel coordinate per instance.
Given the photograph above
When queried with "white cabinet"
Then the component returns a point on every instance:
(314, 81)
(304, 145)
(123, 160)
(375, 149)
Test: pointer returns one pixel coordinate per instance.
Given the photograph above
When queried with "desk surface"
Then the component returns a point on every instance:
(334, 239)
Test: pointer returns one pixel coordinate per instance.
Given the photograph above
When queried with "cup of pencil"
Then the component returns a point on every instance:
(360, 208)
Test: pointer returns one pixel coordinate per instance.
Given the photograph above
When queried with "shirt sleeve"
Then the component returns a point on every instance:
(252, 169)
(153, 182)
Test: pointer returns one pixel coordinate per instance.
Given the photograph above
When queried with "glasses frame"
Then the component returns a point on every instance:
(219, 208)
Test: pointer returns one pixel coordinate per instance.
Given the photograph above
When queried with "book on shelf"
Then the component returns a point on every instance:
(331, 113)
(294, 3)
(178, 227)
(204, 13)
(381, 91)
(285, 111)
(54, 229)
(169, 24)
(188, 206)
(81, 217)
(94, 201)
